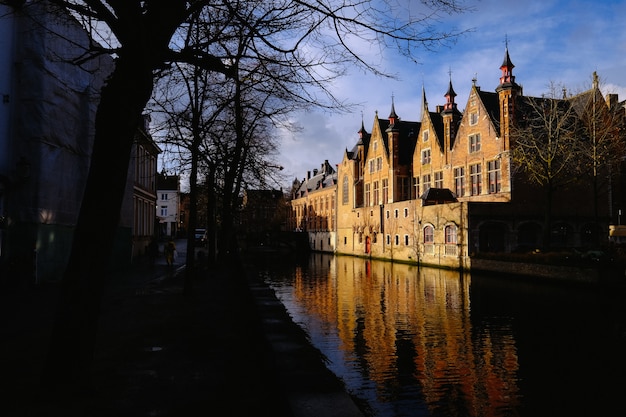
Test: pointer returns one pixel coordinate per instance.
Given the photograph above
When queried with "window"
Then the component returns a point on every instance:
(476, 179)
(404, 188)
(345, 240)
(372, 165)
(426, 183)
(385, 190)
(379, 163)
(375, 144)
(473, 118)
(459, 181)
(426, 156)
(406, 212)
(387, 213)
(344, 191)
(474, 143)
(388, 239)
(416, 186)
(367, 195)
(163, 211)
(425, 136)
(397, 240)
(495, 176)
(406, 240)
(376, 200)
(164, 196)
(439, 179)
(450, 233)
(429, 234)
(395, 213)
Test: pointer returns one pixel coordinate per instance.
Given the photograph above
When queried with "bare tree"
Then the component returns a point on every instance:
(316, 37)
(543, 143)
(601, 144)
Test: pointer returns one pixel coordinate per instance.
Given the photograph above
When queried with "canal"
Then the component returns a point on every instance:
(411, 341)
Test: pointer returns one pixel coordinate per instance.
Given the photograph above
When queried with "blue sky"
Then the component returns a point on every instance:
(549, 41)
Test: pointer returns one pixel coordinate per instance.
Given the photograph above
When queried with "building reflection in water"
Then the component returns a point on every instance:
(406, 337)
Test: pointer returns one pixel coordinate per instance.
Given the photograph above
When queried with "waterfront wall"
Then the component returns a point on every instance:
(582, 275)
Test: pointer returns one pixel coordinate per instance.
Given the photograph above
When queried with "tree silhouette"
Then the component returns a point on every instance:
(316, 40)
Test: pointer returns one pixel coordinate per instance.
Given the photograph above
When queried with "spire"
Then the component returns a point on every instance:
(424, 101)
(507, 66)
(362, 132)
(450, 94)
(393, 117)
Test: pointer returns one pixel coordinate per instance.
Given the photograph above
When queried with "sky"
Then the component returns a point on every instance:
(551, 41)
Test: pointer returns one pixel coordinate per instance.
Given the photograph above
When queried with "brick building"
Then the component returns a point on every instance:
(443, 189)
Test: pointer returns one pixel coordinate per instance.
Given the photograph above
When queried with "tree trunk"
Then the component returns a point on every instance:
(210, 214)
(73, 337)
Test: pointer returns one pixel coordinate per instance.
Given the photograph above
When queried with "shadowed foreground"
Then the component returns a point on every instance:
(228, 349)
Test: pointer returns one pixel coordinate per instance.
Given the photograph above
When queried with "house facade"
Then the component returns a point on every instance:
(142, 178)
(47, 118)
(313, 207)
(438, 191)
(47, 115)
(168, 204)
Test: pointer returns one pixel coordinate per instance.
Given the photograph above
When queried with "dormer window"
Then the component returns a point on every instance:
(473, 118)
(474, 143)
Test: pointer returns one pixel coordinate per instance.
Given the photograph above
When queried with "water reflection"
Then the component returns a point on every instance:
(403, 338)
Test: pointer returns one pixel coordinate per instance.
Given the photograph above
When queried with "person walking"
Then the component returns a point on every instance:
(170, 251)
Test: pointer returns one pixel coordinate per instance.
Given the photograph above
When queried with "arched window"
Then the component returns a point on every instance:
(429, 234)
(344, 191)
(450, 233)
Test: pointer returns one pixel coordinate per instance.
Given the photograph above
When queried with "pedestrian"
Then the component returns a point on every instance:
(170, 251)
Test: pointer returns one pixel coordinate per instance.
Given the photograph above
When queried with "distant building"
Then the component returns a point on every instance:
(168, 197)
(313, 207)
(263, 213)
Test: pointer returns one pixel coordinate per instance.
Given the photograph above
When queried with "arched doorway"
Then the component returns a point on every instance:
(528, 236)
(367, 244)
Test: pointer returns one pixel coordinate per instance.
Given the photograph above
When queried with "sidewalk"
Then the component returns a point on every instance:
(229, 349)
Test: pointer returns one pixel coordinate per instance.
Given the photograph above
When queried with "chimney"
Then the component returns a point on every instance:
(611, 100)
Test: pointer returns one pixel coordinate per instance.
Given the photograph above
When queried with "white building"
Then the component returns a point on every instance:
(168, 198)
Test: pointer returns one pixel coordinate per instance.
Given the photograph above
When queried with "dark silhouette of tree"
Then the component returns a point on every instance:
(601, 143)
(543, 143)
(316, 39)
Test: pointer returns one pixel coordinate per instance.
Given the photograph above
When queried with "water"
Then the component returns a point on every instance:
(430, 342)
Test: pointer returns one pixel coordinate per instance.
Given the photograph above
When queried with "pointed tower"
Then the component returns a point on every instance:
(508, 90)
(424, 103)
(360, 149)
(393, 136)
(393, 117)
(451, 117)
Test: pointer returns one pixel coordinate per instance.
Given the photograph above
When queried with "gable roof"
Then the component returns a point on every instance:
(491, 101)
(407, 135)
